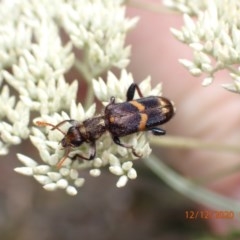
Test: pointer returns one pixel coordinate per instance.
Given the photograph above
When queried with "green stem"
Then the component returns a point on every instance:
(191, 143)
(88, 77)
(82, 70)
(233, 69)
(89, 97)
(190, 189)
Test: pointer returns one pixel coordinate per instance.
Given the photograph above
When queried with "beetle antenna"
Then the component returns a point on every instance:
(43, 124)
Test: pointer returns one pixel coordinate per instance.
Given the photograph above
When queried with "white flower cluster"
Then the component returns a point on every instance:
(119, 159)
(16, 126)
(39, 42)
(33, 64)
(214, 36)
(186, 6)
(98, 28)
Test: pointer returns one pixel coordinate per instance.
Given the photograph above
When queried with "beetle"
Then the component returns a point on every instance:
(119, 119)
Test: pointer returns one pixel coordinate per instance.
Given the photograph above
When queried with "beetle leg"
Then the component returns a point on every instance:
(112, 100)
(117, 141)
(92, 153)
(157, 131)
(67, 151)
(131, 91)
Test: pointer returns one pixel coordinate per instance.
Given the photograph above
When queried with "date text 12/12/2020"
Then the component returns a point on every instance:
(210, 214)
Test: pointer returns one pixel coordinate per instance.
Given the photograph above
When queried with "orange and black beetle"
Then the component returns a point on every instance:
(119, 119)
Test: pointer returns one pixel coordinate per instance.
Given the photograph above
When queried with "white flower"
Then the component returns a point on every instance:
(15, 119)
(35, 58)
(213, 34)
(125, 171)
(118, 87)
(186, 6)
(35, 62)
(99, 28)
(118, 158)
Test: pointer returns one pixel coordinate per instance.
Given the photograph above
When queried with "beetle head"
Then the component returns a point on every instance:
(73, 138)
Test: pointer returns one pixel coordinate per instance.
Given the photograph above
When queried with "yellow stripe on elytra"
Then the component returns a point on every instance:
(138, 105)
(143, 121)
(112, 119)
